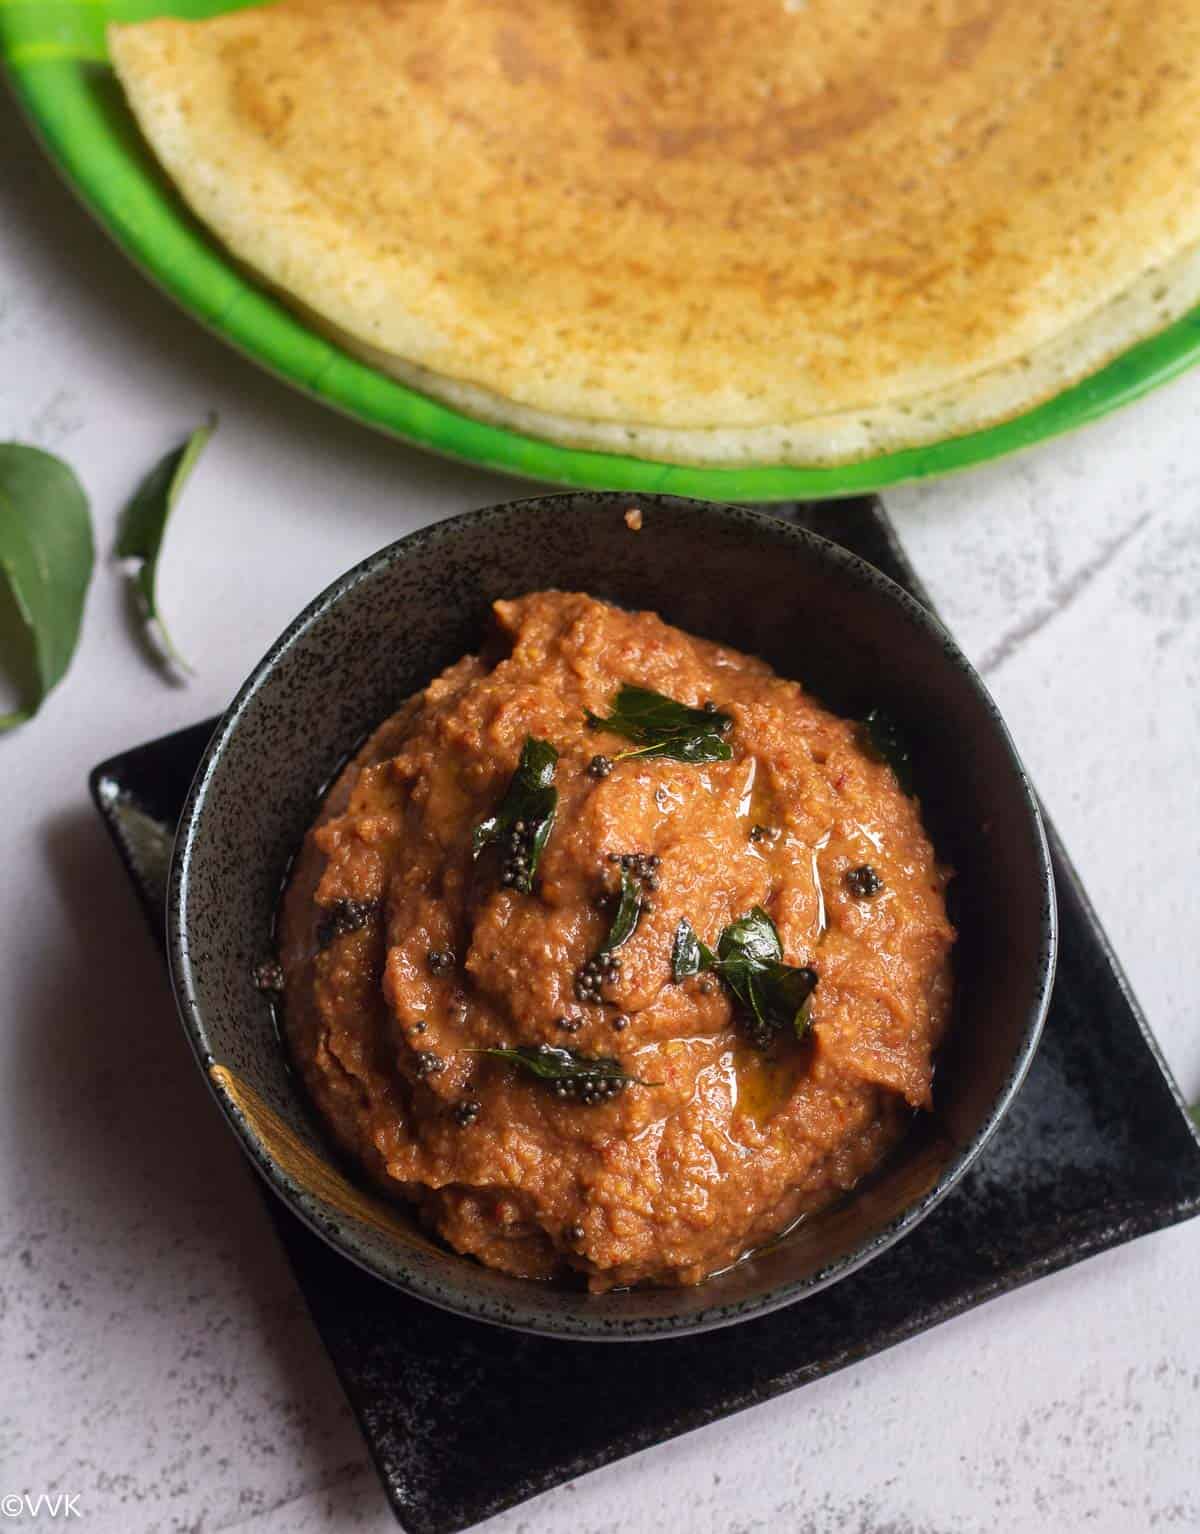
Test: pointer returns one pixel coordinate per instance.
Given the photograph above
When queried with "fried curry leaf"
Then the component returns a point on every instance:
(789, 991)
(773, 996)
(661, 727)
(530, 803)
(884, 741)
(629, 913)
(585, 1079)
(550, 1062)
(143, 527)
(46, 559)
(688, 954)
(751, 940)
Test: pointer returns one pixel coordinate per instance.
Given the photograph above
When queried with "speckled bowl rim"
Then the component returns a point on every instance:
(532, 1315)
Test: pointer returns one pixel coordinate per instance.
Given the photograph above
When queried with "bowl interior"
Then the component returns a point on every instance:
(383, 631)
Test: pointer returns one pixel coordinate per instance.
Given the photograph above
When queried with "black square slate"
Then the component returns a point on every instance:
(1098, 1148)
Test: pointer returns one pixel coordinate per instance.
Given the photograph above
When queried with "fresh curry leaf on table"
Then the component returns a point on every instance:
(659, 726)
(143, 527)
(525, 816)
(46, 560)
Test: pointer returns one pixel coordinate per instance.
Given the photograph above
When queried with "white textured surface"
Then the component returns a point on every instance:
(154, 1355)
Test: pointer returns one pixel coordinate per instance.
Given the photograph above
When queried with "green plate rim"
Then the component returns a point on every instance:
(55, 55)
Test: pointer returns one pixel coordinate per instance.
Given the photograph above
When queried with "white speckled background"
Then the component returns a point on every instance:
(154, 1354)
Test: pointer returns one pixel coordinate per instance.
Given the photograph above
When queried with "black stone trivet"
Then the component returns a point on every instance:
(1097, 1149)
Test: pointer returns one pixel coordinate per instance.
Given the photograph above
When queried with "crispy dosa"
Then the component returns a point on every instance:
(717, 231)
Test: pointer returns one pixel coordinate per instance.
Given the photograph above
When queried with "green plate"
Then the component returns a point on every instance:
(56, 56)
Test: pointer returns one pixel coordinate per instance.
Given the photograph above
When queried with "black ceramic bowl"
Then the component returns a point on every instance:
(380, 633)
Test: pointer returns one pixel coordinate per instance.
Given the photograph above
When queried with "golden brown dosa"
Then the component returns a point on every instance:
(705, 230)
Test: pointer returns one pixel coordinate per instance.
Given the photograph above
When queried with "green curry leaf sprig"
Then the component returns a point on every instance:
(524, 818)
(659, 726)
(772, 997)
